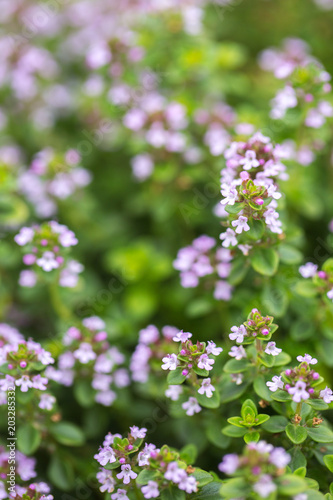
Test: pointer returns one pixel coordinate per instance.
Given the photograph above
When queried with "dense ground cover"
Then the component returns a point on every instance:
(166, 243)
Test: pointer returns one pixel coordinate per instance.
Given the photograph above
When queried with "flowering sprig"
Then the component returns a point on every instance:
(261, 471)
(145, 469)
(250, 191)
(89, 361)
(46, 251)
(193, 364)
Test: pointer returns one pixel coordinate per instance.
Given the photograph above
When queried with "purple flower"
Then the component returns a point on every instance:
(25, 235)
(150, 490)
(191, 406)
(265, 486)
(149, 335)
(174, 473)
(46, 402)
(272, 349)
(105, 456)
(229, 464)
(84, 353)
(275, 384)
(24, 382)
(299, 392)
(327, 395)
(307, 359)
(279, 457)
(330, 294)
(229, 238)
(182, 336)
(250, 160)
(308, 270)
(212, 349)
(173, 392)
(206, 388)
(170, 362)
(237, 352)
(137, 433)
(105, 478)
(47, 262)
(205, 363)
(238, 333)
(120, 495)
(188, 484)
(126, 474)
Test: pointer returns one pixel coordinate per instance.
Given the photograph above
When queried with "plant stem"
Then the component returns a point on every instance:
(299, 408)
(60, 308)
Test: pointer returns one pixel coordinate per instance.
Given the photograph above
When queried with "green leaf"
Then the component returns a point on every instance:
(301, 472)
(236, 366)
(321, 434)
(251, 437)
(173, 493)
(239, 269)
(28, 439)
(237, 421)
(261, 419)
(202, 477)
(317, 404)
(232, 431)
(208, 492)
(281, 396)
(289, 254)
(265, 261)
(275, 299)
(248, 409)
(291, 485)
(213, 402)
(200, 371)
(189, 453)
(275, 424)
(257, 229)
(60, 473)
(145, 476)
(328, 460)
(261, 389)
(296, 433)
(230, 391)
(67, 433)
(282, 359)
(234, 209)
(235, 488)
(84, 393)
(175, 377)
(305, 288)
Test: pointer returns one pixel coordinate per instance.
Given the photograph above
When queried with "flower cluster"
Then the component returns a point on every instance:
(24, 365)
(153, 469)
(150, 350)
(307, 82)
(322, 280)
(16, 468)
(250, 191)
(192, 362)
(46, 248)
(301, 382)
(256, 327)
(88, 355)
(52, 177)
(261, 465)
(201, 259)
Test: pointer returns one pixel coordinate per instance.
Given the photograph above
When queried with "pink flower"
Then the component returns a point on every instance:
(327, 395)
(238, 333)
(229, 464)
(173, 392)
(24, 382)
(170, 362)
(205, 363)
(307, 359)
(212, 349)
(137, 433)
(272, 349)
(299, 392)
(275, 384)
(105, 456)
(241, 224)
(150, 490)
(182, 336)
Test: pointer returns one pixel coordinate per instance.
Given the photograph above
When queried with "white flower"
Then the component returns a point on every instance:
(240, 224)
(229, 238)
(230, 194)
(330, 294)
(272, 349)
(250, 160)
(308, 270)
(238, 333)
(182, 336)
(47, 262)
(206, 388)
(237, 352)
(191, 406)
(265, 486)
(170, 362)
(299, 392)
(237, 378)
(212, 349)
(84, 353)
(173, 392)
(327, 395)
(275, 384)
(307, 359)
